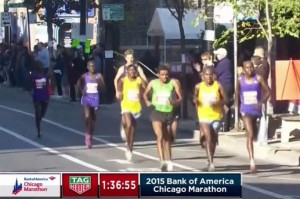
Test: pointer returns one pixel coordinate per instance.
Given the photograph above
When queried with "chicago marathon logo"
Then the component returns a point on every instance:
(80, 184)
(17, 187)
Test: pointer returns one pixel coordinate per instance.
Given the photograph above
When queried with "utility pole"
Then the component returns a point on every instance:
(83, 17)
(209, 26)
(7, 32)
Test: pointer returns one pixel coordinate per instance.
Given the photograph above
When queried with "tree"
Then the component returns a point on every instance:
(178, 8)
(276, 18)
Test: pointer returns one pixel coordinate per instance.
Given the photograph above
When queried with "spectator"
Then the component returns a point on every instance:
(224, 74)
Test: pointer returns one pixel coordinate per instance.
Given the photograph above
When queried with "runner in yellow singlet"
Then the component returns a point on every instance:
(209, 97)
(130, 88)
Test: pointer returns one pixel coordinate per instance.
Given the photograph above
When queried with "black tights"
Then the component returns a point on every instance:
(40, 108)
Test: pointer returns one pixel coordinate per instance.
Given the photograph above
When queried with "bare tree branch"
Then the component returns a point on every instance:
(171, 11)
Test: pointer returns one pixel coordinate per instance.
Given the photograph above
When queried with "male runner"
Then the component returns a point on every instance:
(90, 85)
(252, 90)
(176, 112)
(162, 115)
(131, 87)
(40, 93)
(122, 72)
(209, 97)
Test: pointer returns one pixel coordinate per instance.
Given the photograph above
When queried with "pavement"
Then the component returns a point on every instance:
(61, 148)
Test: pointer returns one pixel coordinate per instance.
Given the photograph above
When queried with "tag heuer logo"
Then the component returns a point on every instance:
(80, 184)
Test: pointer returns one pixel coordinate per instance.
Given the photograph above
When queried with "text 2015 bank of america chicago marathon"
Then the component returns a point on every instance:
(108, 184)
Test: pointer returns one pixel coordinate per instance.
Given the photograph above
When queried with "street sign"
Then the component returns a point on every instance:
(5, 19)
(16, 5)
(113, 12)
(223, 13)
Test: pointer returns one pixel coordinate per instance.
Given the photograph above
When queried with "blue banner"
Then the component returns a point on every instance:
(191, 184)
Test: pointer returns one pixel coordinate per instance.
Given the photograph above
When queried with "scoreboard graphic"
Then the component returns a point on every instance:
(133, 185)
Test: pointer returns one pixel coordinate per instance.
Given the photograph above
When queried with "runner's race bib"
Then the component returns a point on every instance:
(250, 97)
(209, 98)
(92, 88)
(40, 83)
(163, 98)
(133, 96)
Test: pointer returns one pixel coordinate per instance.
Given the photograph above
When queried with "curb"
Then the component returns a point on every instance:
(237, 146)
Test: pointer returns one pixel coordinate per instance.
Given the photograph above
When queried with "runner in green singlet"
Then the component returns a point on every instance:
(162, 115)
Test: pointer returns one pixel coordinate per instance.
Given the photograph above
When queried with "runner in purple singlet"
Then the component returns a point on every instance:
(252, 91)
(90, 85)
(40, 93)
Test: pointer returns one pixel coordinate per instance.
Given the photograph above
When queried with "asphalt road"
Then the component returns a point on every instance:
(62, 148)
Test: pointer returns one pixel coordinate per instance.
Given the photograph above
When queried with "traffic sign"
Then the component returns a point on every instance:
(5, 19)
(16, 5)
(113, 12)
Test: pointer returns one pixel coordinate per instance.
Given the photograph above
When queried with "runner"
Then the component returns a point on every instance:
(176, 112)
(162, 115)
(131, 87)
(40, 93)
(122, 72)
(252, 91)
(90, 85)
(209, 97)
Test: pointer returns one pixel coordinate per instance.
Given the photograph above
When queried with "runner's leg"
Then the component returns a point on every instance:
(44, 107)
(87, 121)
(132, 132)
(206, 127)
(38, 117)
(158, 130)
(122, 131)
(127, 128)
(168, 140)
(249, 127)
(93, 120)
(173, 129)
(214, 135)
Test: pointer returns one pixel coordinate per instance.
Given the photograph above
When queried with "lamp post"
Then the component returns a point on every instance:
(209, 26)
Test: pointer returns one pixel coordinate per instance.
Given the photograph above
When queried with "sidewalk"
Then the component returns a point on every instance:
(235, 142)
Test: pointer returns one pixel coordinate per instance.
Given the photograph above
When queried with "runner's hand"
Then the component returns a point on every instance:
(258, 106)
(148, 103)
(118, 95)
(196, 102)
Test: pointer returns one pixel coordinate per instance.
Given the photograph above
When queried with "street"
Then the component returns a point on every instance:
(62, 148)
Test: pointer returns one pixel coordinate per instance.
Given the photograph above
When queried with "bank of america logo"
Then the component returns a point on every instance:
(17, 187)
(80, 184)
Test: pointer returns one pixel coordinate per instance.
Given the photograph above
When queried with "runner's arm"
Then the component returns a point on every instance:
(178, 91)
(266, 89)
(143, 86)
(237, 92)
(120, 88)
(196, 94)
(142, 74)
(147, 91)
(117, 77)
(101, 83)
(223, 99)
(80, 84)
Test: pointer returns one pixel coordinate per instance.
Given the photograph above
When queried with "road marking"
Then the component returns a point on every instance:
(120, 161)
(50, 150)
(270, 177)
(256, 189)
(140, 170)
(265, 192)
(98, 139)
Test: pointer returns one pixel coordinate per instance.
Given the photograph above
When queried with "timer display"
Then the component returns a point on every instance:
(119, 185)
